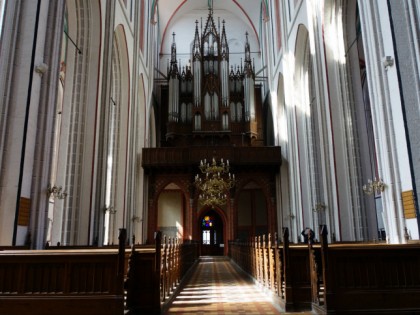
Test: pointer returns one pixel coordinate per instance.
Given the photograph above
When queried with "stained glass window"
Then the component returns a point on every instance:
(208, 221)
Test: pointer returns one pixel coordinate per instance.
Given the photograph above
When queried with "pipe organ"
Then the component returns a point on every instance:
(208, 101)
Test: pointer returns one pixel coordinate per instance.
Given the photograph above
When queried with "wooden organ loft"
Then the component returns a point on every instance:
(209, 109)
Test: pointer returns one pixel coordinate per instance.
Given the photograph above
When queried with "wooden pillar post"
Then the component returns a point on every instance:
(121, 259)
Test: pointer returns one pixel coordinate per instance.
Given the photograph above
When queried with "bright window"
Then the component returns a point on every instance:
(206, 237)
(2, 5)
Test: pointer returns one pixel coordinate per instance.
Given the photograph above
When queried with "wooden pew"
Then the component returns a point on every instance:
(2, 247)
(297, 277)
(366, 278)
(90, 280)
(279, 268)
(143, 282)
(155, 273)
(64, 282)
(147, 289)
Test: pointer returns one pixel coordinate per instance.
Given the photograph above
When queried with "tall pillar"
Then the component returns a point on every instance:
(27, 65)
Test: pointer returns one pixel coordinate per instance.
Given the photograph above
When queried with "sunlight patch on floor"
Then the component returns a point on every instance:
(217, 288)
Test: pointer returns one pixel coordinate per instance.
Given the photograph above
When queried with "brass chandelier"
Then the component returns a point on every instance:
(215, 184)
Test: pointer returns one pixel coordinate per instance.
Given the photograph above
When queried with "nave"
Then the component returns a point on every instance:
(217, 287)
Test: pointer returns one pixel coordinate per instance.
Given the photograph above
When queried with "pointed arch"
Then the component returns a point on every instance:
(310, 184)
(117, 134)
(362, 144)
(283, 194)
(144, 135)
(268, 121)
(221, 228)
(171, 211)
(265, 9)
(153, 10)
(76, 145)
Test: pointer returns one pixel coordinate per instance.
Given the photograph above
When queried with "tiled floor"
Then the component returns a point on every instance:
(216, 287)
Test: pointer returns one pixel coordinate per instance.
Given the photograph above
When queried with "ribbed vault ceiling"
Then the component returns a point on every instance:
(173, 14)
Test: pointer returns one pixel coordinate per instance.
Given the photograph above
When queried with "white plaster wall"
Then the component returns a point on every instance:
(170, 218)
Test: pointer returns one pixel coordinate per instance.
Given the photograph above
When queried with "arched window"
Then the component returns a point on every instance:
(307, 136)
(74, 167)
(114, 122)
(371, 224)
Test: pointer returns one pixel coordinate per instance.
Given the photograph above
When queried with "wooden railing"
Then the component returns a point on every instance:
(277, 267)
(158, 158)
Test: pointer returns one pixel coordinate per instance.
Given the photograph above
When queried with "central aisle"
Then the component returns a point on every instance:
(216, 287)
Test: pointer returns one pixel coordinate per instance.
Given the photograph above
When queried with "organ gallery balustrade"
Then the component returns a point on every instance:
(187, 157)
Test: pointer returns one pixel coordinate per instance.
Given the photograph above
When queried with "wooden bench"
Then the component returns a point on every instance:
(2, 247)
(365, 278)
(64, 282)
(279, 268)
(297, 277)
(340, 278)
(90, 280)
(154, 274)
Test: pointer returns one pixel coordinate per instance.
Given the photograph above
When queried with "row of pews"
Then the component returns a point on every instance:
(93, 280)
(339, 278)
(148, 291)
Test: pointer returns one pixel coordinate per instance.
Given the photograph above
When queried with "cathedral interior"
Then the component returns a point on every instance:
(107, 115)
(213, 122)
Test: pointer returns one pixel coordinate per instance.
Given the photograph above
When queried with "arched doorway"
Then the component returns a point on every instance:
(211, 234)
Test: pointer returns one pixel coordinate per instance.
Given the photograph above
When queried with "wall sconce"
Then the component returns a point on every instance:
(319, 207)
(375, 186)
(56, 192)
(111, 210)
(41, 68)
(135, 219)
(388, 62)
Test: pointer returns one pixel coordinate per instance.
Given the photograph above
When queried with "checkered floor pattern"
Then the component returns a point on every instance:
(216, 287)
